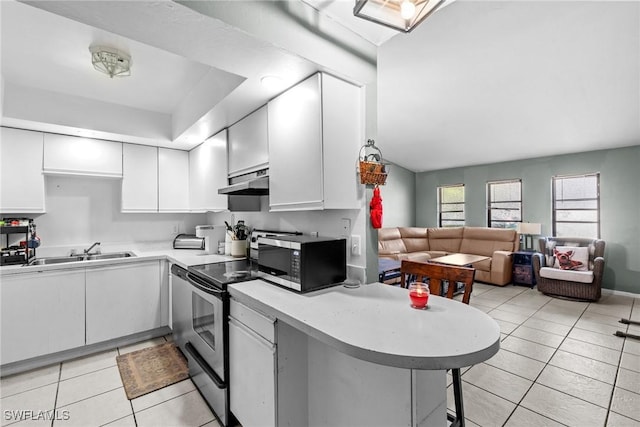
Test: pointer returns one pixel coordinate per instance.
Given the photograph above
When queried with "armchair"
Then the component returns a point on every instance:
(561, 271)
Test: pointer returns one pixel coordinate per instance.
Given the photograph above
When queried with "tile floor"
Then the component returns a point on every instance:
(559, 364)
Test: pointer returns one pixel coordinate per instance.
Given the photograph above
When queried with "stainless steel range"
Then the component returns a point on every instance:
(200, 304)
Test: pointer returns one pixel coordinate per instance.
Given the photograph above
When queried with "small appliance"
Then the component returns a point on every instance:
(188, 241)
(302, 263)
(256, 234)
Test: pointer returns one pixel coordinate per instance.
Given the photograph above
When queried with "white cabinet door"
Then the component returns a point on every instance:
(173, 180)
(315, 132)
(123, 300)
(71, 155)
(208, 173)
(21, 178)
(252, 376)
(139, 178)
(42, 313)
(295, 148)
(342, 137)
(248, 143)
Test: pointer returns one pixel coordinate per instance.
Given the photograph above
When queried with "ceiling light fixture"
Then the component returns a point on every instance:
(401, 15)
(110, 61)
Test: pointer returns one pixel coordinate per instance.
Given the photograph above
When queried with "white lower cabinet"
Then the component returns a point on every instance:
(123, 300)
(42, 313)
(252, 366)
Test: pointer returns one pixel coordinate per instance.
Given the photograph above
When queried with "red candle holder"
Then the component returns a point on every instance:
(419, 294)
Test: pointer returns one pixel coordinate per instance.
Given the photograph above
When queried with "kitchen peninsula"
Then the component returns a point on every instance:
(358, 356)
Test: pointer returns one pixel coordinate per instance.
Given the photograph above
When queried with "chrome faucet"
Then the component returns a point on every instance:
(88, 251)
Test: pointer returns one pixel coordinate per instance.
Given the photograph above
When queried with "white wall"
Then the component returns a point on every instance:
(83, 210)
(327, 223)
(489, 81)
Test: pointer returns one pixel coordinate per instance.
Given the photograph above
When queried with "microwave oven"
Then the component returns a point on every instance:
(302, 263)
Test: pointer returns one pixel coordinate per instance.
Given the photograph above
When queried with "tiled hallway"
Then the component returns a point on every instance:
(559, 364)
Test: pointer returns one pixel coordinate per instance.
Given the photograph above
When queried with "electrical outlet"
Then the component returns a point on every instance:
(345, 226)
(356, 248)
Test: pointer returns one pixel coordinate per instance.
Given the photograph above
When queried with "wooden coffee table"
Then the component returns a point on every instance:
(460, 260)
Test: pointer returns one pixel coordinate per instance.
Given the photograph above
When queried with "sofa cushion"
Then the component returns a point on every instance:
(571, 258)
(485, 241)
(548, 244)
(484, 265)
(414, 238)
(445, 239)
(390, 242)
(567, 275)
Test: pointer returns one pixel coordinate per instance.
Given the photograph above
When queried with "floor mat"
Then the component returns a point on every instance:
(151, 369)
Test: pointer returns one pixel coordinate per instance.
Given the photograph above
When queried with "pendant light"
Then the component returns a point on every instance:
(401, 15)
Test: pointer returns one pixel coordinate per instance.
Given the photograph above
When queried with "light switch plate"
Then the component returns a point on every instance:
(356, 248)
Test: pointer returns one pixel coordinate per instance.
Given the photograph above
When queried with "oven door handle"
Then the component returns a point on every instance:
(201, 284)
(205, 366)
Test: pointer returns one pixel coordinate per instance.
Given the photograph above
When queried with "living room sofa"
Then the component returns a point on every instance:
(423, 244)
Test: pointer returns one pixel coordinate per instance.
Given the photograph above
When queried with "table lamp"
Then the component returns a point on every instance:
(528, 230)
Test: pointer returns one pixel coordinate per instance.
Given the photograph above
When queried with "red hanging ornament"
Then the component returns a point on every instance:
(375, 208)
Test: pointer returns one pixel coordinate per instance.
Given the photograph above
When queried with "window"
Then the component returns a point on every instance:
(504, 203)
(576, 206)
(451, 206)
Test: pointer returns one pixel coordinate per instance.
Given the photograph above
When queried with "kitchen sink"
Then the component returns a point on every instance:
(56, 260)
(77, 258)
(112, 255)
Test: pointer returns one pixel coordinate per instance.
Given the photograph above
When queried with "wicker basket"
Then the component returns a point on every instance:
(372, 170)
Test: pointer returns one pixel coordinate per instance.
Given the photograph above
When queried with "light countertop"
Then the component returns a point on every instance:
(376, 323)
(182, 257)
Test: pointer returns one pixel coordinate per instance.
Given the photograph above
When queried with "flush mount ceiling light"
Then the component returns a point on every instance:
(110, 61)
(401, 15)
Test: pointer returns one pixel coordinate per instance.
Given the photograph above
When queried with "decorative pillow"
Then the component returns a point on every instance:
(571, 258)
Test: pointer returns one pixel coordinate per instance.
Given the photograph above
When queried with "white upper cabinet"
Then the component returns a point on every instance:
(248, 144)
(139, 178)
(207, 173)
(315, 132)
(72, 155)
(21, 178)
(173, 180)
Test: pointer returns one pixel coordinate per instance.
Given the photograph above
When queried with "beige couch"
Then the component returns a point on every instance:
(422, 244)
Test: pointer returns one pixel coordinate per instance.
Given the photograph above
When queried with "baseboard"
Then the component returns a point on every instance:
(621, 293)
(49, 359)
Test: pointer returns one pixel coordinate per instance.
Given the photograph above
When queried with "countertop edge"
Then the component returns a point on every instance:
(387, 359)
(184, 260)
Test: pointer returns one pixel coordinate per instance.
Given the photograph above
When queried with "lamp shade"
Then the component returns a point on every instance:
(401, 15)
(532, 228)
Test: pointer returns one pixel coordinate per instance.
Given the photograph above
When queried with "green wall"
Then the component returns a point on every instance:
(398, 210)
(619, 200)
(398, 198)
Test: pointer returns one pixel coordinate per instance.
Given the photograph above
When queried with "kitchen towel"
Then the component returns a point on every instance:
(151, 369)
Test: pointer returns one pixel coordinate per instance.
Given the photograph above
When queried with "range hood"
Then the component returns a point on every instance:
(252, 184)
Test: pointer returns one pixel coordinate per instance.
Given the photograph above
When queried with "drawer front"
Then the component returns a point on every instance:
(258, 322)
(523, 274)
